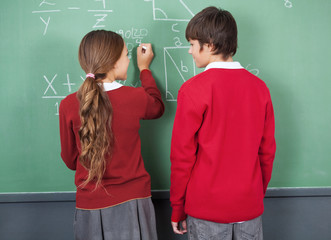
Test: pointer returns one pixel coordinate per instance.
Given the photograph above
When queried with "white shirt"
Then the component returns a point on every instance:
(226, 65)
(108, 86)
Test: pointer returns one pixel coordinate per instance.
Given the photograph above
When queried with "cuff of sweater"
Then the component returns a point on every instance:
(178, 215)
(145, 72)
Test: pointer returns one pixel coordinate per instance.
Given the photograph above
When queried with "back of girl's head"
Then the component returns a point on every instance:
(214, 26)
(98, 53)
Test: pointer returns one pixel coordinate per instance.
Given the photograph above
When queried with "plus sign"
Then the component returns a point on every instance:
(69, 84)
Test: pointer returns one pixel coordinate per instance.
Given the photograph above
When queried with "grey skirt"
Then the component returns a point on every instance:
(132, 220)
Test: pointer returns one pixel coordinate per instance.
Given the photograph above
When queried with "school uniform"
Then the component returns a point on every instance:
(126, 185)
(222, 147)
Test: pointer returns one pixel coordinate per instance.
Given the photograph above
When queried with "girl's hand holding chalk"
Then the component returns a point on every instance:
(145, 56)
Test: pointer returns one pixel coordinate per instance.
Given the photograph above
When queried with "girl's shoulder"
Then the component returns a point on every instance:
(130, 91)
(128, 96)
(69, 101)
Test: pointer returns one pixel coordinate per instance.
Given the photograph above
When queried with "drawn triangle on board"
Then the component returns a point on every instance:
(179, 67)
(177, 10)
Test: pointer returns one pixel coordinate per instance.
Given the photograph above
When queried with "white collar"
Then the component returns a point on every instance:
(111, 86)
(226, 65)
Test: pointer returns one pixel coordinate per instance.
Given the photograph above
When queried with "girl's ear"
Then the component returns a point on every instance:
(116, 65)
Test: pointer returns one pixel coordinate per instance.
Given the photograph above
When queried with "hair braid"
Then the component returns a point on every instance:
(98, 52)
(95, 135)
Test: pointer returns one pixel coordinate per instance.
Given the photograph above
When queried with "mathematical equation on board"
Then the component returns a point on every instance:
(132, 37)
(55, 85)
(46, 9)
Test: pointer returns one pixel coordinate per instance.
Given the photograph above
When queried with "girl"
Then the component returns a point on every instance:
(99, 127)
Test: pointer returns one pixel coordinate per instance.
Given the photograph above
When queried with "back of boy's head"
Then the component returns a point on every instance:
(214, 26)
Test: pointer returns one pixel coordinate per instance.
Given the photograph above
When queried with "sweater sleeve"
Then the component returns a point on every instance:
(155, 106)
(267, 147)
(184, 145)
(69, 151)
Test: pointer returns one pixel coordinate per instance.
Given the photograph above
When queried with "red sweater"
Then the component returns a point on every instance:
(222, 147)
(125, 177)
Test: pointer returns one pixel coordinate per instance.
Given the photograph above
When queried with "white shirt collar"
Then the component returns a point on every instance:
(111, 86)
(226, 65)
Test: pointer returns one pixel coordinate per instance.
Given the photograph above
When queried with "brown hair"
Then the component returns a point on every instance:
(214, 26)
(98, 52)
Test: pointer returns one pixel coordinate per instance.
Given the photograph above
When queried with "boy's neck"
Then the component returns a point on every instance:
(219, 58)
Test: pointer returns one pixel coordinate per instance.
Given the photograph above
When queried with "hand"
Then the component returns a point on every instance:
(145, 56)
(178, 229)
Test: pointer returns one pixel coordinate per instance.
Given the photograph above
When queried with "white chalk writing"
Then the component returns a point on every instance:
(46, 8)
(288, 4)
(160, 14)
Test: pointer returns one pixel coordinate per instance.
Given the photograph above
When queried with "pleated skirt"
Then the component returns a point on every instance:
(132, 220)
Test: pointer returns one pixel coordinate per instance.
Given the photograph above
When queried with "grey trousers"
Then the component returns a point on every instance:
(133, 220)
(204, 230)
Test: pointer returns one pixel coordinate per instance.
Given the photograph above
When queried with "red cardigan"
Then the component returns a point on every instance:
(125, 177)
(222, 147)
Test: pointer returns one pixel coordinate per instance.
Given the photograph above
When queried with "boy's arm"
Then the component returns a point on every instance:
(183, 151)
(267, 146)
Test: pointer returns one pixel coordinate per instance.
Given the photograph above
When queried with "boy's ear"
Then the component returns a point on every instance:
(210, 47)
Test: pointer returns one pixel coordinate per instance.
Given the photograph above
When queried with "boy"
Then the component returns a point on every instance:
(223, 143)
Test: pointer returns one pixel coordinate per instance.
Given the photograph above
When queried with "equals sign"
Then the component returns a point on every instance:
(73, 8)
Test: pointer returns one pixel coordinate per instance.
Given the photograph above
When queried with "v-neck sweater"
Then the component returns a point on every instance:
(223, 145)
(125, 177)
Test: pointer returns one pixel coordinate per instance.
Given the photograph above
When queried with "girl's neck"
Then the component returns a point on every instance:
(106, 80)
(110, 77)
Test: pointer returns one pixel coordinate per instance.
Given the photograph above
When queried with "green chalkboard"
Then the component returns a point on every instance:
(284, 42)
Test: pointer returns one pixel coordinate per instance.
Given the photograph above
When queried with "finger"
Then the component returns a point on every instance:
(141, 49)
(147, 47)
(175, 228)
(184, 225)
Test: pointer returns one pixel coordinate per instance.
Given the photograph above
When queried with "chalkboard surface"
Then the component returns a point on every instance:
(284, 42)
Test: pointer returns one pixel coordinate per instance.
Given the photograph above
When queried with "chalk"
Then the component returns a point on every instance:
(144, 48)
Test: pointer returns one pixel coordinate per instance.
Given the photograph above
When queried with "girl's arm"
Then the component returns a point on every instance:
(155, 106)
(69, 152)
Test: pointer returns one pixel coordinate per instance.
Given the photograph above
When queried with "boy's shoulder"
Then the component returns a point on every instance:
(195, 81)
(208, 78)
(216, 73)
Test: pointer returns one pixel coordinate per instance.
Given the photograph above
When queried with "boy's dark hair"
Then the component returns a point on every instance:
(214, 26)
